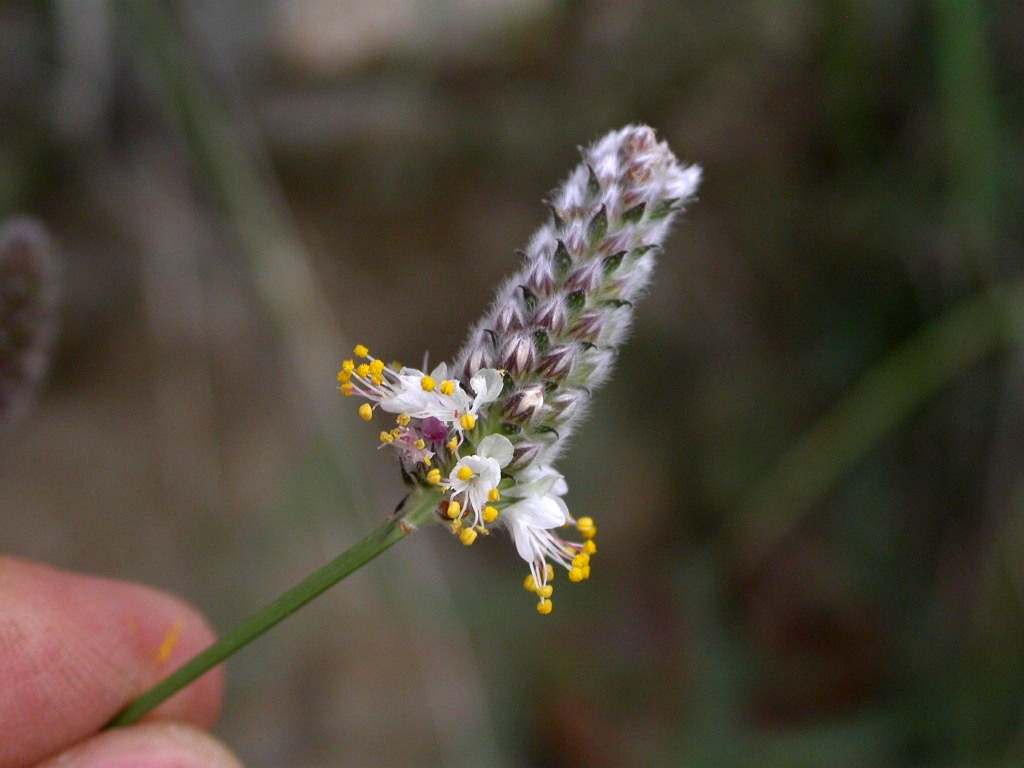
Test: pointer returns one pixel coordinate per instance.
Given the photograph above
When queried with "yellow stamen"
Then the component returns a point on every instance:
(420, 444)
(586, 527)
(468, 421)
(544, 607)
(343, 377)
(549, 572)
(347, 389)
(447, 387)
(545, 591)
(376, 379)
(403, 419)
(468, 536)
(376, 367)
(529, 584)
(362, 370)
(586, 571)
(387, 437)
(590, 546)
(347, 366)
(365, 412)
(453, 444)
(576, 575)
(434, 476)
(454, 510)
(360, 351)
(493, 495)
(464, 473)
(581, 559)
(428, 383)
(490, 514)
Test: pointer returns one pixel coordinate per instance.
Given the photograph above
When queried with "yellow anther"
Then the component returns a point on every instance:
(468, 421)
(343, 377)
(549, 572)
(347, 389)
(545, 590)
(365, 412)
(454, 509)
(434, 476)
(529, 584)
(581, 559)
(490, 514)
(447, 387)
(426, 460)
(493, 495)
(544, 607)
(347, 366)
(387, 437)
(376, 379)
(590, 546)
(376, 367)
(362, 370)
(420, 444)
(586, 527)
(468, 536)
(403, 419)
(576, 574)
(428, 383)
(464, 473)
(360, 351)
(453, 444)
(586, 571)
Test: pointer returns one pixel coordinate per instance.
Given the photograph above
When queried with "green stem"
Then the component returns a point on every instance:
(419, 511)
(871, 409)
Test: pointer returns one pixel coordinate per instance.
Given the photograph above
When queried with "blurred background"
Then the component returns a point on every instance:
(807, 472)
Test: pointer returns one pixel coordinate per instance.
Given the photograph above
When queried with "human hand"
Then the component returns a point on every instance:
(74, 650)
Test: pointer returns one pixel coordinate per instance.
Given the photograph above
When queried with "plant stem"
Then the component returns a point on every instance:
(872, 408)
(418, 511)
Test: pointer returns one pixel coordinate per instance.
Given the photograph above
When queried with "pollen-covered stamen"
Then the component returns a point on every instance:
(475, 477)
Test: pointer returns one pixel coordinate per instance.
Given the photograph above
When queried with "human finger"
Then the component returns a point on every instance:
(147, 745)
(74, 650)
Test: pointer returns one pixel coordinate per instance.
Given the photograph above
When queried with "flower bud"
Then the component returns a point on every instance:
(28, 305)
(516, 354)
(523, 404)
(557, 363)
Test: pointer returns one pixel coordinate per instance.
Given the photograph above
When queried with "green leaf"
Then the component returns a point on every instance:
(562, 260)
(634, 214)
(598, 227)
(611, 263)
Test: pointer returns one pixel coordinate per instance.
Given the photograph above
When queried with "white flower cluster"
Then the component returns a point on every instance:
(488, 429)
(438, 427)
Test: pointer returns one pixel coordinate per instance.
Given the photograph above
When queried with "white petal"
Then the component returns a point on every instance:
(536, 512)
(524, 542)
(539, 481)
(497, 447)
(486, 385)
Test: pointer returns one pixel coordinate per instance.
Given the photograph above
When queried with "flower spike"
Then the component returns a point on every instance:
(488, 428)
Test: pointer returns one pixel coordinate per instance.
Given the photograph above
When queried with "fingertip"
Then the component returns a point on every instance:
(75, 650)
(147, 745)
(163, 633)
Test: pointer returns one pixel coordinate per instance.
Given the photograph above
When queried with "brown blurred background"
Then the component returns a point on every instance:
(807, 471)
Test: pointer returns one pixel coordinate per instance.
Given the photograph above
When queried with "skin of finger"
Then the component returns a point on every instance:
(148, 745)
(74, 650)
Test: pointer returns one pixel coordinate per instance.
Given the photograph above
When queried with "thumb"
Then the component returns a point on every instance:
(74, 650)
(147, 745)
